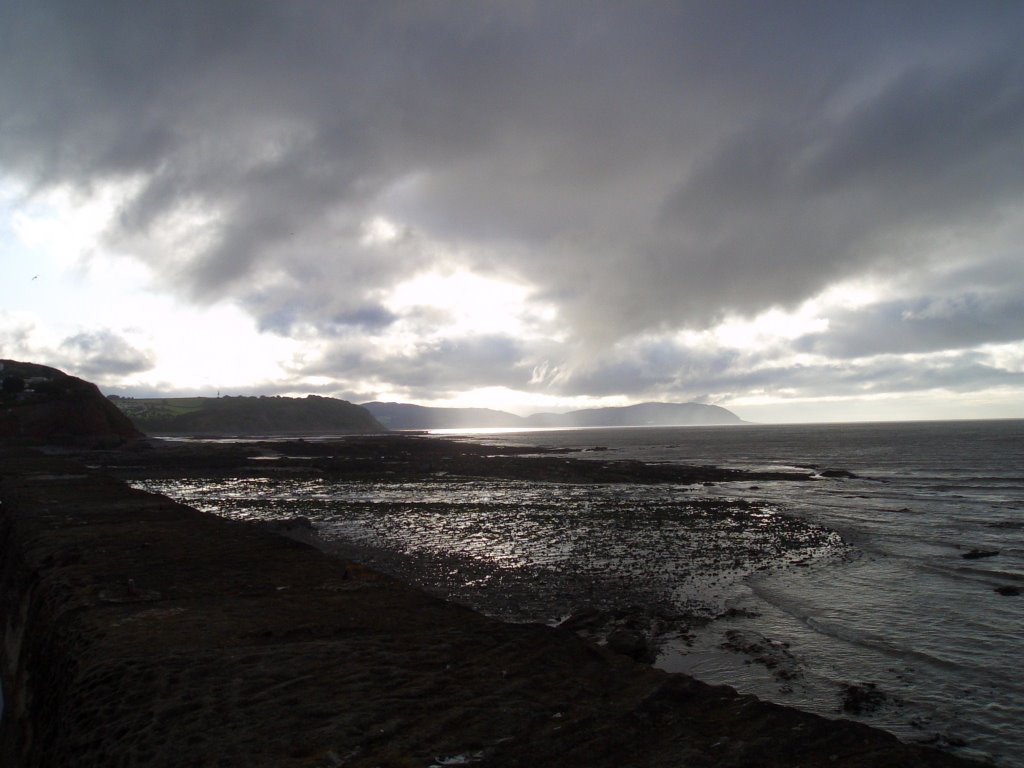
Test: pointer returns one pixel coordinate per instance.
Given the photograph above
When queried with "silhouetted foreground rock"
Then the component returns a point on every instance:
(42, 405)
(140, 632)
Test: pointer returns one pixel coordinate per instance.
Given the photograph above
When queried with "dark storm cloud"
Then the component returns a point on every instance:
(95, 355)
(647, 166)
(790, 204)
(287, 320)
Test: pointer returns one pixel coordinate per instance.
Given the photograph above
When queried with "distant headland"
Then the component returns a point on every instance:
(406, 416)
(326, 415)
(243, 416)
(44, 404)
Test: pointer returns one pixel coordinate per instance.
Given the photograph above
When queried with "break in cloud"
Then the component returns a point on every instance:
(644, 172)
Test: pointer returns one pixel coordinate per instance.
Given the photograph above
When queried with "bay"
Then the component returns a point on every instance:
(849, 595)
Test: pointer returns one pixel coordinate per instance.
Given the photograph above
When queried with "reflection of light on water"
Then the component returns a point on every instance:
(927, 492)
(690, 552)
(533, 431)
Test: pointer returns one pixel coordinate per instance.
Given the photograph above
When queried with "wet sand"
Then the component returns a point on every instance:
(139, 631)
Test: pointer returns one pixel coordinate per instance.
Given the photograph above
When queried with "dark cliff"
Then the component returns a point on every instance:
(40, 405)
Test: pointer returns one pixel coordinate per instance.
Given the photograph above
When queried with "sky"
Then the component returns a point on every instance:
(800, 211)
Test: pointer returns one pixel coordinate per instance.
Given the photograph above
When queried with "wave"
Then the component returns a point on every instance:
(865, 640)
(792, 604)
(988, 575)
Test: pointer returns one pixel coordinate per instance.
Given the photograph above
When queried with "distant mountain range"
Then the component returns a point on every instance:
(406, 416)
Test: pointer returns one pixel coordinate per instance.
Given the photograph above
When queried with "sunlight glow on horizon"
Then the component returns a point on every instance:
(526, 403)
(83, 288)
(466, 304)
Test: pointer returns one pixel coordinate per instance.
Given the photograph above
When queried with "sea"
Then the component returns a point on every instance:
(888, 588)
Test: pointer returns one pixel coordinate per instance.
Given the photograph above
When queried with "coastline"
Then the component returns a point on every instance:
(161, 635)
(399, 457)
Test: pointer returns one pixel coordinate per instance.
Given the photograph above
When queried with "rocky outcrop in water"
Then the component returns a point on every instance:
(979, 554)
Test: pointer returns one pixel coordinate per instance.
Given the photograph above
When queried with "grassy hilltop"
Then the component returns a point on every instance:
(236, 416)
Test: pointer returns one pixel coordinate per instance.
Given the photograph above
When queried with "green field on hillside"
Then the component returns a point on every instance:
(159, 407)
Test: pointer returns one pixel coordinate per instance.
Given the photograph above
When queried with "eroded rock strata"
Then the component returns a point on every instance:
(140, 632)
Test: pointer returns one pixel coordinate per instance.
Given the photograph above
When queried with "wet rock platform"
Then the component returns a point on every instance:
(141, 632)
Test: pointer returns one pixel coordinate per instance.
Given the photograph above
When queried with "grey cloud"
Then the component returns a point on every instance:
(785, 207)
(101, 355)
(723, 376)
(98, 354)
(648, 166)
(921, 325)
(930, 127)
(659, 370)
(431, 370)
(663, 371)
(960, 306)
(15, 339)
(962, 373)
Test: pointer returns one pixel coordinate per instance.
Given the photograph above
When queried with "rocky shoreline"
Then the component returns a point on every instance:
(412, 458)
(140, 632)
(399, 457)
(599, 606)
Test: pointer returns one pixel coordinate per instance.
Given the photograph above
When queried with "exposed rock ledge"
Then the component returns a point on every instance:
(139, 632)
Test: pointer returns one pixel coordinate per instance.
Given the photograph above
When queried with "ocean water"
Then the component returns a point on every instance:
(843, 596)
(902, 610)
